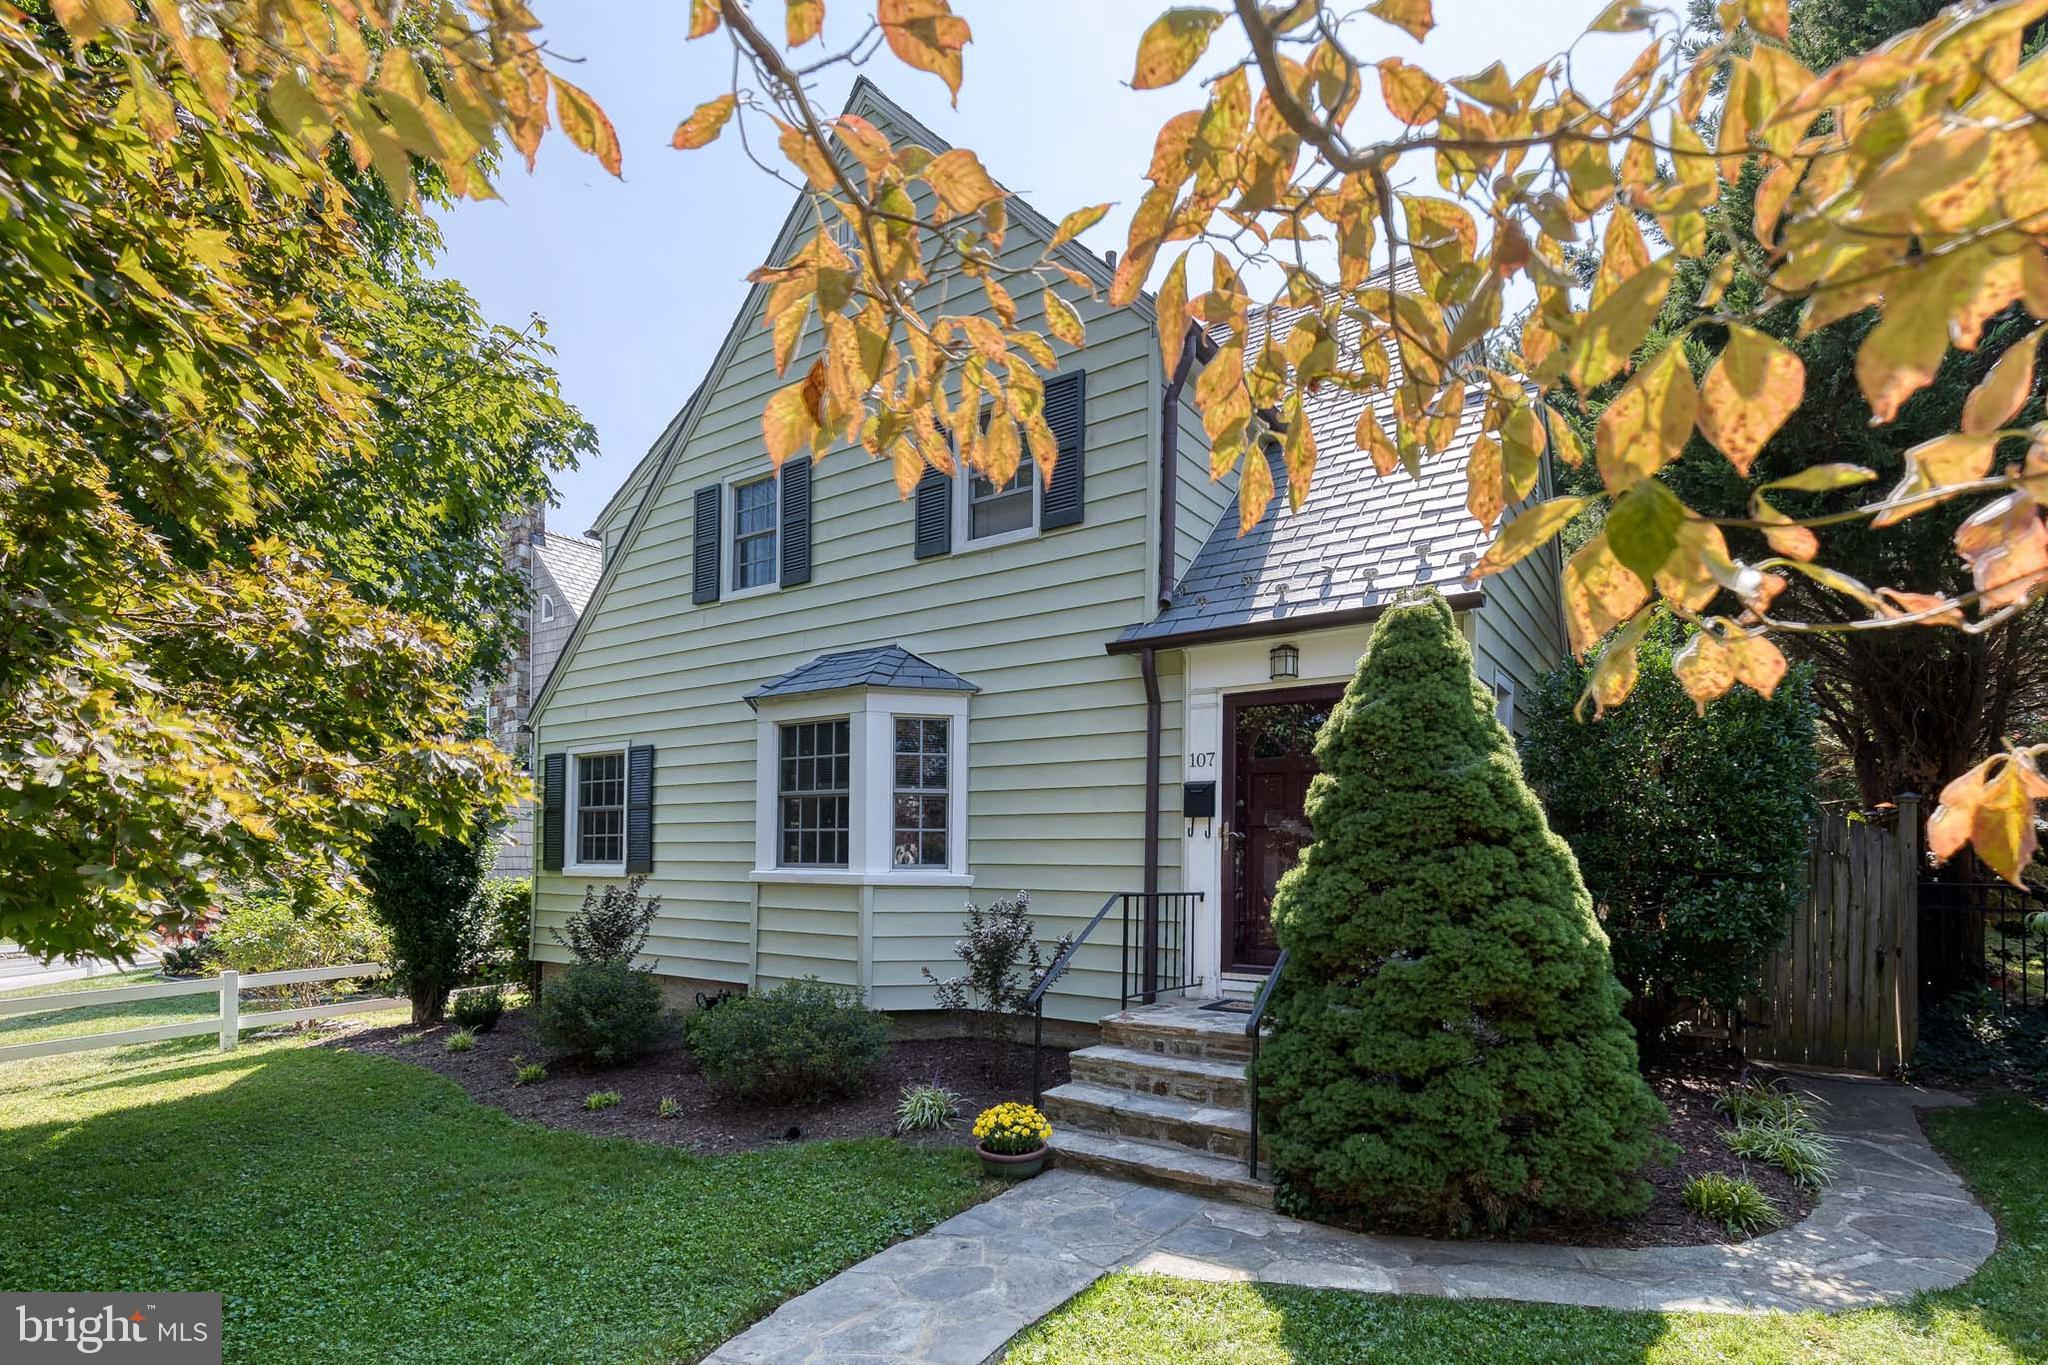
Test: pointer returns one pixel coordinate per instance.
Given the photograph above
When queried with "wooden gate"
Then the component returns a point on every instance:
(1841, 992)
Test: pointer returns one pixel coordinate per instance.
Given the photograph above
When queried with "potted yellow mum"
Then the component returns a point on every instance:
(1011, 1140)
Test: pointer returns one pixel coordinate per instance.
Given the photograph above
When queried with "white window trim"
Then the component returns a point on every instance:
(547, 607)
(1504, 698)
(728, 541)
(871, 826)
(571, 800)
(963, 514)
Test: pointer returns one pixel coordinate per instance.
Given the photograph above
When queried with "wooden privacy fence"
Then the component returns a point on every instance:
(1842, 991)
(228, 1019)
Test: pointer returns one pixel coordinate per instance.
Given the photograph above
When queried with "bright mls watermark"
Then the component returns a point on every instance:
(166, 1329)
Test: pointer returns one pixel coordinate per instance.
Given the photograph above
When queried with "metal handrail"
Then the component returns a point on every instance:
(1037, 997)
(1251, 1072)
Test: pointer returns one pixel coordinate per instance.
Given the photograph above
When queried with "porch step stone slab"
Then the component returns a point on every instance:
(1155, 1163)
(1200, 1080)
(1150, 1118)
(1179, 1030)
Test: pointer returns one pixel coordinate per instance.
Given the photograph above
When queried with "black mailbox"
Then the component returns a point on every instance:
(1198, 800)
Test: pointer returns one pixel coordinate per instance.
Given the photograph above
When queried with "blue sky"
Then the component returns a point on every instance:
(639, 278)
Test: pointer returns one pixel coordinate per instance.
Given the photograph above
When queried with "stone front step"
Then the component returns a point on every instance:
(1180, 1031)
(1153, 1163)
(1105, 1112)
(1200, 1080)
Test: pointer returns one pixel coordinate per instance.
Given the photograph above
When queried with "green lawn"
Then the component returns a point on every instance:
(352, 1208)
(2000, 1315)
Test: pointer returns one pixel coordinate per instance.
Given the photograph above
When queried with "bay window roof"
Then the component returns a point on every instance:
(884, 666)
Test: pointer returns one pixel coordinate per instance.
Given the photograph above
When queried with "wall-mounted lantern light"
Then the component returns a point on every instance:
(1285, 661)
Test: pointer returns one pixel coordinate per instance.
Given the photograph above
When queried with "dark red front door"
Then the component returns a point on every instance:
(1272, 758)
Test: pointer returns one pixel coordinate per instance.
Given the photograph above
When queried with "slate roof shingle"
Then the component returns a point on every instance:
(888, 666)
(1360, 539)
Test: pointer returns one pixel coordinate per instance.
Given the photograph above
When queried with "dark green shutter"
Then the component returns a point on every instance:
(934, 515)
(554, 788)
(704, 547)
(1066, 498)
(639, 809)
(796, 520)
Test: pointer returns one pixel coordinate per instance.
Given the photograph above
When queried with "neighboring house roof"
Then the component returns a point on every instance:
(573, 563)
(885, 666)
(1359, 540)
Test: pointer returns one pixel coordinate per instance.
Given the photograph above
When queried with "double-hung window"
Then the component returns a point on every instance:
(1006, 509)
(754, 534)
(922, 804)
(600, 809)
(814, 790)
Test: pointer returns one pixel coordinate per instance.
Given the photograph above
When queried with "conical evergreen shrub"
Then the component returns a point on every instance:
(1448, 1048)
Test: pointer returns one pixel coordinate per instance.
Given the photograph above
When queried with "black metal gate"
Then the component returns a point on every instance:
(1989, 935)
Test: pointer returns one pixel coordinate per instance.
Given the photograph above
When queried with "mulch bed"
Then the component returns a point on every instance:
(1687, 1083)
(708, 1122)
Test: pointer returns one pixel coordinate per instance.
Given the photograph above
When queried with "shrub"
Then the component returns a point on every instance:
(479, 1011)
(424, 892)
(409, 1039)
(1796, 1147)
(1004, 962)
(801, 1040)
(612, 926)
(461, 1040)
(926, 1109)
(669, 1108)
(605, 1013)
(527, 1073)
(266, 932)
(1692, 829)
(600, 1099)
(1735, 1204)
(506, 910)
(1448, 1046)
(187, 959)
(1012, 1129)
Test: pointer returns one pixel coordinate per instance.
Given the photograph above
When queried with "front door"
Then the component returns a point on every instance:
(1272, 757)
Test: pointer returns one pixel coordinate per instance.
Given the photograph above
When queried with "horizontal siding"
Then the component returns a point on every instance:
(1203, 500)
(1056, 733)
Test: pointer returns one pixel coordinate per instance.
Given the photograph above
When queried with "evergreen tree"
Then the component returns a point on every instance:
(1448, 1045)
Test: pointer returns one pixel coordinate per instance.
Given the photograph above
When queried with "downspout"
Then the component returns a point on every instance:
(1169, 460)
(1148, 662)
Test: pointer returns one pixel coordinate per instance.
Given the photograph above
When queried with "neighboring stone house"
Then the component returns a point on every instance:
(561, 573)
(820, 718)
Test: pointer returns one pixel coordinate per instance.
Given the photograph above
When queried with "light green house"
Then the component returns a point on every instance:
(821, 718)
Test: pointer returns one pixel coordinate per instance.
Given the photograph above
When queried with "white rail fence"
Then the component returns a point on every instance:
(228, 1020)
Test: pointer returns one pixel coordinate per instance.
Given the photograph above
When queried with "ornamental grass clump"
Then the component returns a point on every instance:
(1778, 1128)
(1011, 1129)
(1734, 1203)
(926, 1109)
(1448, 1047)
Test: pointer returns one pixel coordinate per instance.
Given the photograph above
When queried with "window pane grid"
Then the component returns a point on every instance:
(815, 760)
(991, 510)
(601, 808)
(922, 758)
(753, 534)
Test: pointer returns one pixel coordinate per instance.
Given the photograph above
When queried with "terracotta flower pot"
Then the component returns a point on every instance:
(1012, 1166)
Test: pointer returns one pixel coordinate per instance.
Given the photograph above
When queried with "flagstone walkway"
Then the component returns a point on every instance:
(1896, 1221)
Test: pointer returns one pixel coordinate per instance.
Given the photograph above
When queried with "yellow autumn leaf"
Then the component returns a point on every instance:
(960, 180)
(1600, 592)
(1372, 439)
(1254, 491)
(703, 18)
(1172, 308)
(1062, 321)
(926, 34)
(1649, 421)
(804, 19)
(1705, 668)
(1413, 95)
(1171, 45)
(1485, 497)
(1076, 223)
(2003, 391)
(1412, 17)
(1609, 334)
(789, 422)
(1528, 532)
(704, 123)
(1754, 385)
(586, 124)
